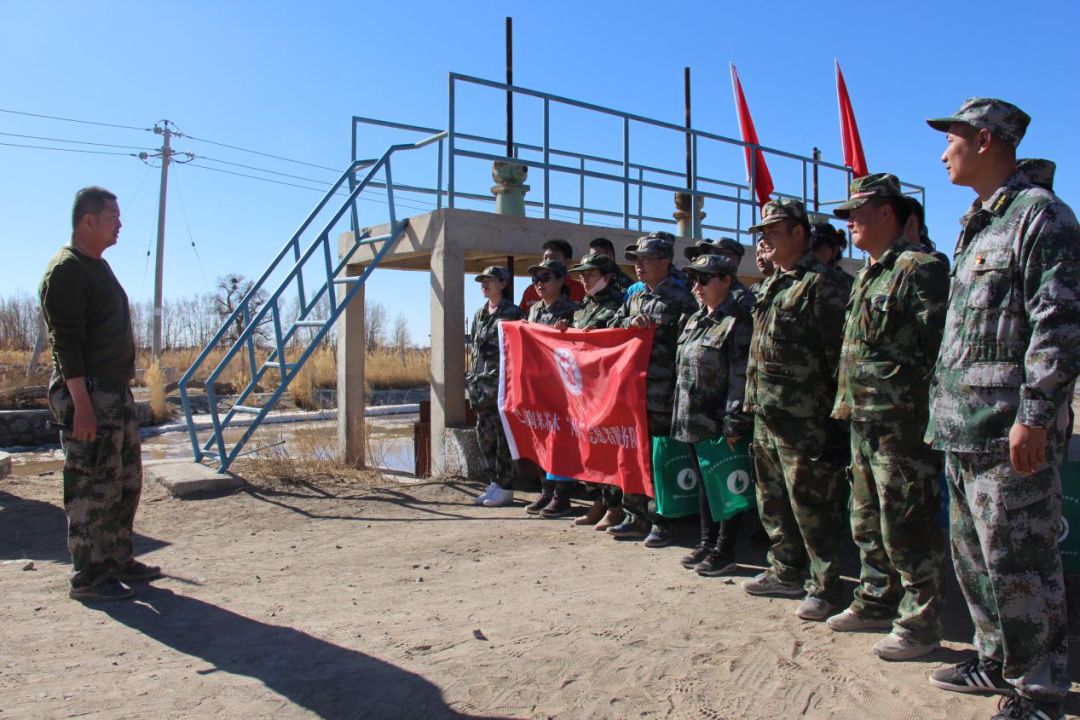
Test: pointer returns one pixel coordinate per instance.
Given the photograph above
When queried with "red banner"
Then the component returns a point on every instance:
(849, 131)
(756, 169)
(573, 402)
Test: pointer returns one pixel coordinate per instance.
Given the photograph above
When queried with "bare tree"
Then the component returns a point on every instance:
(399, 336)
(18, 321)
(230, 291)
(375, 324)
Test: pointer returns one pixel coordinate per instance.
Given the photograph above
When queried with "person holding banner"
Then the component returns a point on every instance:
(662, 304)
(891, 340)
(599, 276)
(734, 251)
(482, 384)
(709, 389)
(549, 281)
(798, 450)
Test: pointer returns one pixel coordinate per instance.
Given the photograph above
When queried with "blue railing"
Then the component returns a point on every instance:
(261, 306)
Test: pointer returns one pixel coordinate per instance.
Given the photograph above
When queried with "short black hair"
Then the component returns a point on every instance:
(915, 208)
(604, 243)
(561, 246)
(89, 201)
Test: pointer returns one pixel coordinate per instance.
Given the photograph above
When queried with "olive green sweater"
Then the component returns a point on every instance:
(89, 321)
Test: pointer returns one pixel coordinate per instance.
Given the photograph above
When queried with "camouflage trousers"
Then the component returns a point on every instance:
(799, 501)
(493, 449)
(1005, 530)
(102, 483)
(895, 521)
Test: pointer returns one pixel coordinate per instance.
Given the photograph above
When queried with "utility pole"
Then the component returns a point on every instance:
(166, 155)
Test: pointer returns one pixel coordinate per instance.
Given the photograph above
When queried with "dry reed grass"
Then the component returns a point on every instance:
(155, 381)
(306, 457)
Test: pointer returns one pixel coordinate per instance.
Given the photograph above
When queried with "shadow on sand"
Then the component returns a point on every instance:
(326, 679)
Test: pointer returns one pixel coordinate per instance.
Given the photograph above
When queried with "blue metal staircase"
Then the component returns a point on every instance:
(318, 309)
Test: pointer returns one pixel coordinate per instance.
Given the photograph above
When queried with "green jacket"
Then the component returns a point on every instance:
(482, 381)
(895, 318)
(597, 311)
(1012, 331)
(561, 309)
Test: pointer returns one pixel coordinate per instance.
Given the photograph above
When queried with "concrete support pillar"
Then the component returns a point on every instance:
(447, 344)
(351, 352)
(510, 187)
(688, 227)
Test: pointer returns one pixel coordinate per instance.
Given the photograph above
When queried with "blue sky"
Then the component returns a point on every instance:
(285, 78)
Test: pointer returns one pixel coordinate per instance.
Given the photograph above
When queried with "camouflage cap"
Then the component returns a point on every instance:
(553, 265)
(711, 265)
(711, 247)
(494, 271)
(596, 261)
(655, 244)
(865, 189)
(1038, 171)
(778, 210)
(1002, 119)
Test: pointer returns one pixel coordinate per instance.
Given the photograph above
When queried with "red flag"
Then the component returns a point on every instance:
(849, 131)
(574, 402)
(763, 184)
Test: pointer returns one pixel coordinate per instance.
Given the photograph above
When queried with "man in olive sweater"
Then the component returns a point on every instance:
(93, 352)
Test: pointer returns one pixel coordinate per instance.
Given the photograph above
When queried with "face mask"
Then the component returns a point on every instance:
(600, 285)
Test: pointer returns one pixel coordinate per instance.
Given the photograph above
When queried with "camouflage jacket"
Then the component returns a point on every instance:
(596, 312)
(711, 374)
(561, 309)
(891, 337)
(1009, 352)
(743, 295)
(482, 382)
(665, 306)
(798, 328)
(844, 278)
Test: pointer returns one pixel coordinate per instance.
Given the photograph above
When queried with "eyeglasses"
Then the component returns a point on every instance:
(541, 278)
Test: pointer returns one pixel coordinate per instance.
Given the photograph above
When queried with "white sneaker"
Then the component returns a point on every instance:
(851, 621)
(479, 499)
(900, 647)
(499, 497)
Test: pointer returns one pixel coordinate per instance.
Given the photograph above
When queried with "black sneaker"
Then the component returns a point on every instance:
(660, 536)
(136, 571)
(717, 563)
(696, 555)
(973, 676)
(557, 508)
(541, 502)
(1022, 708)
(107, 590)
(629, 529)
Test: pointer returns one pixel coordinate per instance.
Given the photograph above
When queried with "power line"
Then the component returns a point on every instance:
(256, 152)
(75, 142)
(187, 225)
(74, 150)
(73, 120)
(259, 169)
(253, 177)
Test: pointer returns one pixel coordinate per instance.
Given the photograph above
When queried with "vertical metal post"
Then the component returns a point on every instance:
(390, 196)
(753, 185)
(817, 158)
(354, 220)
(738, 214)
(159, 265)
(509, 84)
(581, 192)
(439, 190)
(695, 219)
(547, 159)
(626, 172)
(640, 196)
(689, 168)
(450, 147)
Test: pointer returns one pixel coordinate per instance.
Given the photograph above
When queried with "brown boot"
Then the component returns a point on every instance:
(593, 516)
(613, 516)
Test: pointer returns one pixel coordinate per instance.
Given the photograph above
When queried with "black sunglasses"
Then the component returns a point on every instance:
(541, 278)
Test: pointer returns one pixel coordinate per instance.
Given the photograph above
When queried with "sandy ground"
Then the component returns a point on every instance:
(407, 601)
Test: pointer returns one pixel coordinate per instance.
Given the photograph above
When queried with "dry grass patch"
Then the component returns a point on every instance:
(304, 457)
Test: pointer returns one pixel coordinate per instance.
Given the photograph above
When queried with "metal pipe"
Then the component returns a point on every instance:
(817, 157)
(509, 84)
(689, 162)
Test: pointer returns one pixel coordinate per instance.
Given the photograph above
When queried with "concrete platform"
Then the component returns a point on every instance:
(186, 479)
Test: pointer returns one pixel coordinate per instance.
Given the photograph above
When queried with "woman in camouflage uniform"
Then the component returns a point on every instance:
(710, 383)
(554, 307)
(482, 384)
(599, 274)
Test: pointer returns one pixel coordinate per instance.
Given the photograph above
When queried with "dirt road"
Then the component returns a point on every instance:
(407, 601)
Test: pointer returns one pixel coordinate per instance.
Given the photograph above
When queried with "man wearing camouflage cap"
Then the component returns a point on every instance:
(731, 249)
(662, 304)
(790, 387)
(891, 339)
(999, 409)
